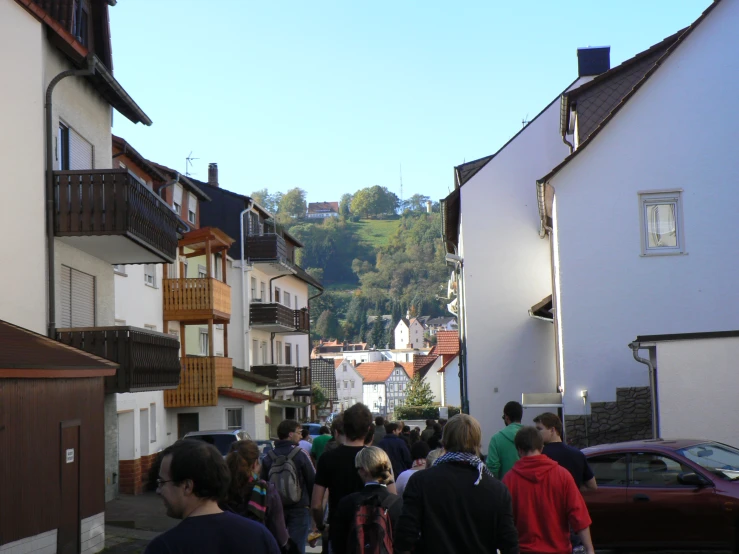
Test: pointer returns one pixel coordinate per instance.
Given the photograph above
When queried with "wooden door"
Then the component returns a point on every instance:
(187, 423)
(68, 536)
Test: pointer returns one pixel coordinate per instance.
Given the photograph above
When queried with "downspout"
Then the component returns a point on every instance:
(463, 389)
(244, 317)
(310, 349)
(122, 152)
(166, 185)
(568, 143)
(635, 347)
(50, 259)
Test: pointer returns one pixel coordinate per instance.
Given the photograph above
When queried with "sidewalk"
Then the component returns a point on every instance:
(132, 521)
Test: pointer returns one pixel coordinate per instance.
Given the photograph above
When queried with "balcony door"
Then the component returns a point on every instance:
(73, 151)
(77, 298)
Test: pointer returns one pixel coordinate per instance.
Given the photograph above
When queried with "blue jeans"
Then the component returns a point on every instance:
(297, 521)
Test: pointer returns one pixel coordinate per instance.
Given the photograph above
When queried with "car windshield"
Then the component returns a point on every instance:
(221, 442)
(719, 459)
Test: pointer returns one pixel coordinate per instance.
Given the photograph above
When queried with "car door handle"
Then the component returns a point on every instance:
(641, 498)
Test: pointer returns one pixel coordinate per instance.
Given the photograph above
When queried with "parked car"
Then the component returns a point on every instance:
(676, 494)
(313, 428)
(264, 447)
(221, 439)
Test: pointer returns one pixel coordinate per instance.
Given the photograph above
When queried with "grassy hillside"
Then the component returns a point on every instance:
(375, 233)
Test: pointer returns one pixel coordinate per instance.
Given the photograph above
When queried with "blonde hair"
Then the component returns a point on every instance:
(433, 455)
(376, 463)
(462, 434)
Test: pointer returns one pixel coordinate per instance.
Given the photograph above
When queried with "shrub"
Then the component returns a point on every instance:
(422, 412)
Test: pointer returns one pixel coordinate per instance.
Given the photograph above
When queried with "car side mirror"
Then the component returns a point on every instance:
(692, 479)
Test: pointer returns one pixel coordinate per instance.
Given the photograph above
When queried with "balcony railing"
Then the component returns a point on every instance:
(277, 318)
(196, 300)
(266, 248)
(285, 375)
(200, 379)
(148, 360)
(94, 209)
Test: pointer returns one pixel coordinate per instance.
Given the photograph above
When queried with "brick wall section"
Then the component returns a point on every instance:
(146, 463)
(628, 418)
(130, 476)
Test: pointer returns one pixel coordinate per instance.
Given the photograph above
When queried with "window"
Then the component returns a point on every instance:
(654, 470)
(609, 470)
(277, 295)
(374, 387)
(345, 368)
(177, 208)
(150, 273)
(177, 199)
(352, 382)
(254, 289)
(119, 269)
(202, 272)
(204, 342)
(262, 291)
(192, 206)
(62, 147)
(150, 327)
(255, 352)
(661, 219)
(152, 422)
(346, 384)
(287, 299)
(288, 354)
(77, 298)
(79, 23)
(279, 352)
(264, 352)
(234, 417)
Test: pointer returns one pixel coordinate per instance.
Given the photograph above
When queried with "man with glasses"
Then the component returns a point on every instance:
(193, 477)
(297, 514)
(502, 453)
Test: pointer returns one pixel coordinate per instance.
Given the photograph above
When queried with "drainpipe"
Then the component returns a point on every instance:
(122, 152)
(635, 347)
(50, 259)
(463, 390)
(164, 186)
(244, 317)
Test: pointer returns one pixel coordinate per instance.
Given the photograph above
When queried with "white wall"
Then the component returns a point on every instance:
(401, 335)
(506, 271)
(696, 384)
(661, 139)
(351, 395)
(214, 417)
(22, 213)
(130, 432)
(137, 303)
(452, 396)
(371, 394)
(416, 335)
(435, 379)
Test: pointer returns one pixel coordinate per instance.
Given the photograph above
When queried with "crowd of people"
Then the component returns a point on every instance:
(376, 486)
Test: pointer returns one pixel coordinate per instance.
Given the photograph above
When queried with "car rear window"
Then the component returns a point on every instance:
(609, 469)
(221, 442)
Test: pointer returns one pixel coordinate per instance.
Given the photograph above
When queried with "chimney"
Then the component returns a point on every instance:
(593, 61)
(213, 174)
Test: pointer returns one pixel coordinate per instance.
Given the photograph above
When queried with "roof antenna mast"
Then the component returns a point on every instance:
(188, 164)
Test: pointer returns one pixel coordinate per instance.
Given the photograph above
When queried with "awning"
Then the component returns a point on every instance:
(249, 396)
(288, 404)
(543, 310)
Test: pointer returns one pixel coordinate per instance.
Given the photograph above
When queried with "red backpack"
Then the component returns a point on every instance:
(372, 531)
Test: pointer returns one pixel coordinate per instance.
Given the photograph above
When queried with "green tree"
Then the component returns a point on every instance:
(377, 333)
(416, 203)
(327, 326)
(293, 203)
(269, 202)
(345, 205)
(419, 393)
(320, 398)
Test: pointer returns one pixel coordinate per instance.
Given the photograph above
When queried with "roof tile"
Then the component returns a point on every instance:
(375, 372)
(447, 342)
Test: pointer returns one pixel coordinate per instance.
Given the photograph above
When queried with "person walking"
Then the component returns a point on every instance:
(550, 428)
(456, 506)
(502, 452)
(337, 434)
(337, 473)
(251, 497)
(319, 443)
(428, 432)
(192, 479)
(419, 451)
(306, 442)
(375, 470)
(396, 448)
(379, 430)
(434, 441)
(546, 501)
(290, 469)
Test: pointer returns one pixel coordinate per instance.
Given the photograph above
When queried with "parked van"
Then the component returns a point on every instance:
(221, 439)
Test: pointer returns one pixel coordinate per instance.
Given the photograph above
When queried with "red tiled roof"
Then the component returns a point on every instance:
(315, 207)
(375, 372)
(338, 362)
(447, 342)
(409, 368)
(420, 362)
(442, 369)
(249, 396)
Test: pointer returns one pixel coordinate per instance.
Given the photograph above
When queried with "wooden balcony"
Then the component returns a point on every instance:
(285, 375)
(277, 318)
(196, 300)
(148, 360)
(111, 216)
(200, 379)
(270, 253)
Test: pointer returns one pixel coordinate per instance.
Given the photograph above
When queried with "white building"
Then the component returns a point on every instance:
(385, 385)
(322, 210)
(348, 384)
(656, 260)
(409, 334)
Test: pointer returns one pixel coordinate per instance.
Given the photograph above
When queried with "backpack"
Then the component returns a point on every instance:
(372, 530)
(284, 475)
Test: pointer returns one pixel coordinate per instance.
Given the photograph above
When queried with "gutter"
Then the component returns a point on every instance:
(50, 254)
(635, 347)
(542, 205)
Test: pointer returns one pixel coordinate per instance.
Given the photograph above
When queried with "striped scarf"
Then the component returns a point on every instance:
(465, 458)
(254, 504)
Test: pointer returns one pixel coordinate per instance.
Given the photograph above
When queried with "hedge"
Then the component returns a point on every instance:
(422, 412)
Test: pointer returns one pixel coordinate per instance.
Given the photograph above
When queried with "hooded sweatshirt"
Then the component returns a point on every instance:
(546, 503)
(502, 453)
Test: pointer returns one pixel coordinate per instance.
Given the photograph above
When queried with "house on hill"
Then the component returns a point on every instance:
(348, 384)
(384, 385)
(322, 210)
(409, 333)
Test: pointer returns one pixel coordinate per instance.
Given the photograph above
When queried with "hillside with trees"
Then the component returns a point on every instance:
(378, 257)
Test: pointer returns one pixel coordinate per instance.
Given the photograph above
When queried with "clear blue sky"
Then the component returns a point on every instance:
(333, 95)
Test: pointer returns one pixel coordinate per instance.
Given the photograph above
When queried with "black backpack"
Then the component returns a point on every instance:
(372, 530)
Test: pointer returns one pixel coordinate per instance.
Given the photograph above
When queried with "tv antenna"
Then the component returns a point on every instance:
(525, 121)
(188, 164)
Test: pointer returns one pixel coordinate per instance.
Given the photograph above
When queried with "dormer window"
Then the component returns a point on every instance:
(177, 208)
(191, 216)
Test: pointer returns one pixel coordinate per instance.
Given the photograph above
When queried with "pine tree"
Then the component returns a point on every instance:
(419, 393)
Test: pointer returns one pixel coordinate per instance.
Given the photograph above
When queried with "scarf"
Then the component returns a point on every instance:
(254, 504)
(465, 458)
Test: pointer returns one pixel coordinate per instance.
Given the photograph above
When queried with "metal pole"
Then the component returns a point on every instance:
(244, 315)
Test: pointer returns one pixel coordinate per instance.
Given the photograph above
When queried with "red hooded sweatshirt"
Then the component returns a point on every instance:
(546, 503)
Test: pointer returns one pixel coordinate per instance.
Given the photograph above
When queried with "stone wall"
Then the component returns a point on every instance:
(628, 418)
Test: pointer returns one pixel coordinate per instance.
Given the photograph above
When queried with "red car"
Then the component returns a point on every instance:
(664, 494)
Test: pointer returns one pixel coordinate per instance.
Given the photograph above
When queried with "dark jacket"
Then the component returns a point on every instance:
(348, 507)
(274, 518)
(398, 452)
(379, 435)
(305, 470)
(427, 433)
(444, 512)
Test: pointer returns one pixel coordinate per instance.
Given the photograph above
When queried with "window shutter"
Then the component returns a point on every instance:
(80, 152)
(66, 297)
(83, 299)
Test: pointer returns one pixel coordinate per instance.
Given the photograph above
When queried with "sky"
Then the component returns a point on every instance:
(336, 95)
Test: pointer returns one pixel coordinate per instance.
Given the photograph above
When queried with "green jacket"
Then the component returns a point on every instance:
(502, 453)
